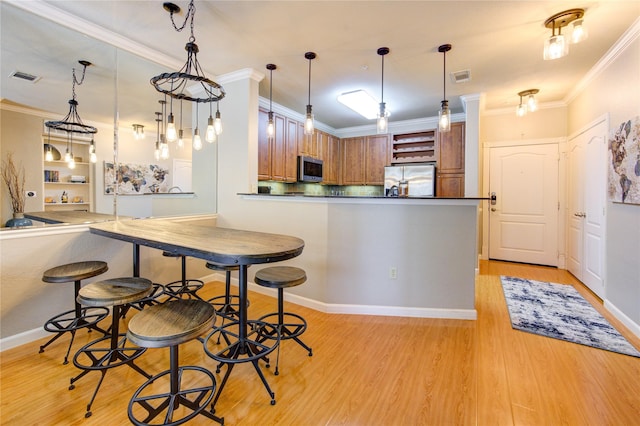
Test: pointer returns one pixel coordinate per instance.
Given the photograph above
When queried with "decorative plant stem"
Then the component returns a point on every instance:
(14, 180)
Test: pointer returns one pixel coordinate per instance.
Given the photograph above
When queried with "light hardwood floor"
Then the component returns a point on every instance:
(368, 370)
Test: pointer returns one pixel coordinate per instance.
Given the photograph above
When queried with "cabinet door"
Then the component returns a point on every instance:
(353, 161)
(264, 154)
(377, 156)
(450, 185)
(334, 159)
(451, 150)
(291, 151)
(278, 149)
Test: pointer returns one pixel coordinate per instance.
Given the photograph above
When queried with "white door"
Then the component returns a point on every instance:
(182, 175)
(587, 197)
(523, 222)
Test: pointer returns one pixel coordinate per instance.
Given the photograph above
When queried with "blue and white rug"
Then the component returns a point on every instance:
(560, 312)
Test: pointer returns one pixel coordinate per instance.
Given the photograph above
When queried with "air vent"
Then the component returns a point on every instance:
(460, 76)
(24, 76)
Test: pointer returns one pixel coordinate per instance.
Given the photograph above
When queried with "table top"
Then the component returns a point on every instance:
(72, 217)
(220, 245)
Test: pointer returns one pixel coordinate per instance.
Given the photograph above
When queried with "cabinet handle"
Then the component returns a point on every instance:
(493, 209)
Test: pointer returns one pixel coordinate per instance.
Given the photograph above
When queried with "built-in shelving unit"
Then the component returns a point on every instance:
(414, 147)
(59, 178)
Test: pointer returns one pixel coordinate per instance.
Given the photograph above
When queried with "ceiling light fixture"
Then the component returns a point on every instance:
(156, 152)
(138, 131)
(361, 102)
(383, 115)
(72, 123)
(531, 103)
(308, 122)
(444, 115)
(271, 128)
(557, 46)
(175, 84)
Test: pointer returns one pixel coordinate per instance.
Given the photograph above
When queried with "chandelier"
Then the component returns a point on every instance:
(179, 85)
(72, 123)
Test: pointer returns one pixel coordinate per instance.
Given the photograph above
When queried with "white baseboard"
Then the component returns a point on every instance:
(620, 316)
(23, 338)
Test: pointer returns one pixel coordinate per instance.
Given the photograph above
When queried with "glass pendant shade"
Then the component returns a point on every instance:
(197, 142)
(308, 122)
(555, 47)
(67, 156)
(521, 110)
(156, 152)
(383, 120)
(532, 104)
(72, 163)
(92, 153)
(211, 131)
(271, 128)
(48, 156)
(180, 138)
(444, 117)
(579, 32)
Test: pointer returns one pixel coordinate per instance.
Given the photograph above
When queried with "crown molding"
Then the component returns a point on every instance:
(612, 54)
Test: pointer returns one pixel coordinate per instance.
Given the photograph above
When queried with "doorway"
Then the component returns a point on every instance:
(523, 219)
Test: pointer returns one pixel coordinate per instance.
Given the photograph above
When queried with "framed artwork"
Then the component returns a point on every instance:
(623, 183)
(136, 179)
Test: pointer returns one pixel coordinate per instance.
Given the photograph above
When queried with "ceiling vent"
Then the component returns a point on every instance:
(460, 76)
(19, 75)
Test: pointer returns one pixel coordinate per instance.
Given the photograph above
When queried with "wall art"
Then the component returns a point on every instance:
(136, 179)
(624, 162)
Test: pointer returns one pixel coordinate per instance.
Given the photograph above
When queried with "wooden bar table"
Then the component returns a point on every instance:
(218, 245)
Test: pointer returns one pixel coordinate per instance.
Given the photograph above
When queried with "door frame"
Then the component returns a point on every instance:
(562, 190)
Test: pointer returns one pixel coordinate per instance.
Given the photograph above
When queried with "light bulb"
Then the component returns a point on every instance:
(382, 120)
(172, 135)
(521, 110)
(444, 117)
(211, 132)
(271, 128)
(72, 164)
(217, 123)
(67, 156)
(197, 142)
(579, 32)
(180, 139)
(93, 157)
(164, 151)
(48, 156)
(555, 47)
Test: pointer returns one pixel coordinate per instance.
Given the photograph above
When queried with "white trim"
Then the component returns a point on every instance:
(620, 316)
(612, 54)
(510, 142)
(603, 118)
(239, 75)
(512, 109)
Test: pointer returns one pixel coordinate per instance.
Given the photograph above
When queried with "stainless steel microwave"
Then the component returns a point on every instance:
(309, 169)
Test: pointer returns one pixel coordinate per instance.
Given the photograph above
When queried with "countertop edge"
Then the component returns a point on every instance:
(365, 199)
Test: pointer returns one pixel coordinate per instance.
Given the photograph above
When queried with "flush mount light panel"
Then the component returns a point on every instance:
(361, 102)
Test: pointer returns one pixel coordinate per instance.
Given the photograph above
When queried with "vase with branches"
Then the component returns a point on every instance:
(14, 178)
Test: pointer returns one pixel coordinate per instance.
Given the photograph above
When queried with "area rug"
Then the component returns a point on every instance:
(560, 312)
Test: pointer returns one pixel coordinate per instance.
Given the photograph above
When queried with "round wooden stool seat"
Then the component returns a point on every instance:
(288, 324)
(79, 317)
(74, 271)
(113, 350)
(280, 276)
(171, 324)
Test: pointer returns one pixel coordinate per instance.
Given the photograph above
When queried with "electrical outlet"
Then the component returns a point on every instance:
(31, 194)
(393, 272)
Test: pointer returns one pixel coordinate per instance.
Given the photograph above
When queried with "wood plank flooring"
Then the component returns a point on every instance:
(366, 370)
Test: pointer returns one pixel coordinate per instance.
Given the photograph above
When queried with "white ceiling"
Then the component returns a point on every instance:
(499, 42)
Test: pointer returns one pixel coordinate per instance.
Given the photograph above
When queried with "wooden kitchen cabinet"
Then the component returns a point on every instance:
(307, 144)
(329, 150)
(450, 166)
(353, 161)
(377, 156)
(277, 157)
(363, 160)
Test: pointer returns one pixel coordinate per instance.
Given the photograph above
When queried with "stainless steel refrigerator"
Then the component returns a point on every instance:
(415, 180)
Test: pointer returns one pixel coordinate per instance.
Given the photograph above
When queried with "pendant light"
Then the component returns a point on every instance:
(382, 124)
(308, 122)
(211, 131)
(156, 152)
(271, 128)
(217, 123)
(180, 131)
(197, 141)
(444, 115)
(163, 144)
(138, 131)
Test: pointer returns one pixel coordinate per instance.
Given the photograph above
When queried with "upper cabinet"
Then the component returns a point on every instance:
(450, 167)
(277, 156)
(363, 159)
(329, 150)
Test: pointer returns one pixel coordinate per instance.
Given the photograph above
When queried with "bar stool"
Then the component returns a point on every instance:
(79, 317)
(110, 351)
(226, 305)
(289, 325)
(185, 286)
(169, 325)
